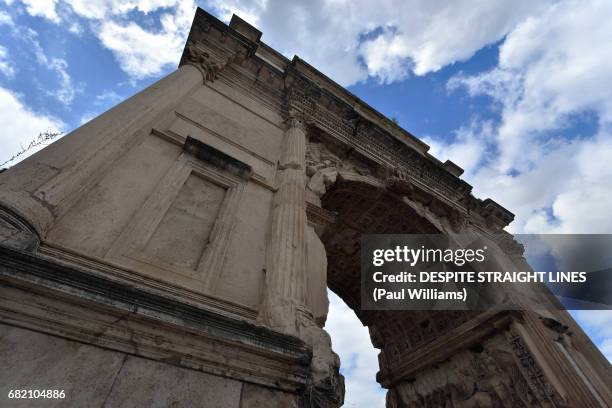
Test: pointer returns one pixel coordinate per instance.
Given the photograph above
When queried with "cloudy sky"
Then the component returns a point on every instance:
(517, 93)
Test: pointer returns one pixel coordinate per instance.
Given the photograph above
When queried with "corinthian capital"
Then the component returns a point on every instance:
(295, 120)
(208, 63)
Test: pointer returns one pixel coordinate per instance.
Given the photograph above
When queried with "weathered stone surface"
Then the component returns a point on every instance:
(91, 376)
(35, 361)
(260, 397)
(147, 383)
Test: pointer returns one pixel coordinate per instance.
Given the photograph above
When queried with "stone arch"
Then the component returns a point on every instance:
(453, 358)
(362, 205)
(76, 217)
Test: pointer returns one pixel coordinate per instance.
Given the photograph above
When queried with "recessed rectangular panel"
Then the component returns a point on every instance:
(93, 224)
(183, 233)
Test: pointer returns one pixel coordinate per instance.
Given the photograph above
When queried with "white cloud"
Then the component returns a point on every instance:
(550, 74)
(349, 40)
(75, 28)
(108, 97)
(386, 57)
(42, 8)
(558, 60)
(93, 9)
(468, 148)
(5, 67)
(565, 191)
(21, 125)
(5, 19)
(140, 51)
(98, 9)
(359, 359)
(66, 91)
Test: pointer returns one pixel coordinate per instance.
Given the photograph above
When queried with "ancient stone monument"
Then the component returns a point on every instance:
(176, 250)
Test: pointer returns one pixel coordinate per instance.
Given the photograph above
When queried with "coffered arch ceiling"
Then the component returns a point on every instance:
(363, 207)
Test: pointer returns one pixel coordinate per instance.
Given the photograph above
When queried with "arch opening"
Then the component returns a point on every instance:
(362, 206)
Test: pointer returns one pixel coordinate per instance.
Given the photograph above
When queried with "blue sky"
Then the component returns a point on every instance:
(517, 93)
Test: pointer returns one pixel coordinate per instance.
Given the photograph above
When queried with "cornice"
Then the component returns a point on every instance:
(212, 45)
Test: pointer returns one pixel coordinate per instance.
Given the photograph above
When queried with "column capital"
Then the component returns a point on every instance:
(296, 120)
(207, 62)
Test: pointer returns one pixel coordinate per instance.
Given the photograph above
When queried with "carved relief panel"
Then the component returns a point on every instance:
(491, 374)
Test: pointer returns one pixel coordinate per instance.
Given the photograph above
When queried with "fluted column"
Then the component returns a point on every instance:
(285, 293)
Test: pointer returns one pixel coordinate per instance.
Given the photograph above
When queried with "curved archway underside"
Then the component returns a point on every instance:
(363, 207)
